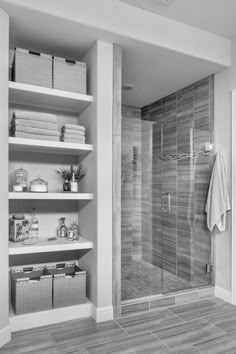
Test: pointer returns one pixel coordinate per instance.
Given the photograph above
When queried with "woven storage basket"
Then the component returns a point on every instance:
(32, 68)
(69, 284)
(69, 75)
(31, 289)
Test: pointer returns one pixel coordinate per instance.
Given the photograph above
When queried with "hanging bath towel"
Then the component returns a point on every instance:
(218, 196)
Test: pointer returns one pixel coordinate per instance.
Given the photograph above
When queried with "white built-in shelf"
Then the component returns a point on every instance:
(48, 147)
(50, 196)
(43, 245)
(37, 96)
(48, 317)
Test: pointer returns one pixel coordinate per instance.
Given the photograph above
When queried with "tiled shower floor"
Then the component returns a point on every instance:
(140, 279)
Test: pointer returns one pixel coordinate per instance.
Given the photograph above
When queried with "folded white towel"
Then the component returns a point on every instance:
(218, 202)
(73, 136)
(33, 124)
(73, 132)
(35, 136)
(73, 127)
(40, 116)
(74, 141)
(38, 131)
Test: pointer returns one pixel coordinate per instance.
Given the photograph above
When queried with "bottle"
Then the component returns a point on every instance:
(34, 225)
(73, 183)
(63, 228)
(66, 186)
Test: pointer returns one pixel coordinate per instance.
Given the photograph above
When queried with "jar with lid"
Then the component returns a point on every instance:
(38, 185)
(20, 182)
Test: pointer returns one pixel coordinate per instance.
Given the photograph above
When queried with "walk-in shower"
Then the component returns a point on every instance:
(165, 243)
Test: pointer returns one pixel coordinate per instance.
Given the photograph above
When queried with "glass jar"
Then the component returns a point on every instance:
(20, 183)
(38, 185)
(62, 229)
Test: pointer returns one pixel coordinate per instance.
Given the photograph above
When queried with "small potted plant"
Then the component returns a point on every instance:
(71, 178)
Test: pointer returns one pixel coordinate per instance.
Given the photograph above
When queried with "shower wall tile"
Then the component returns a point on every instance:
(186, 170)
(185, 243)
(185, 267)
(202, 88)
(185, 96)
(169, 171)
(201, 136)
(169, 141)
(169, 103)
(169, 261)
(186, 219)
(186, 193)
(184, 139)
(185, 117)
(201, 112)
(202, 248)
(169, 238)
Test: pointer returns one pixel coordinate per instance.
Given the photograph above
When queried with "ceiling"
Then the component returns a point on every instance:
(155, 72)
(215, 16)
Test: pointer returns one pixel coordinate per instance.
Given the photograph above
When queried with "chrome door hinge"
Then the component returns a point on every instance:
(209, 268)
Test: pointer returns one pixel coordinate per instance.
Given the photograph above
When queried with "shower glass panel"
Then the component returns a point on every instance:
(165, 177)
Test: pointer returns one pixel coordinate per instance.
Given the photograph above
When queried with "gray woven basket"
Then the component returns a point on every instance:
(32, 68)
(31, 289)
(69, 284)
(69, 75)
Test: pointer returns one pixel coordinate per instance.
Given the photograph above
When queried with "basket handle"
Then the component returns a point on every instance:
(27, 269)
(60, 265)
(70, 61)
(35, 278)
(34, 53)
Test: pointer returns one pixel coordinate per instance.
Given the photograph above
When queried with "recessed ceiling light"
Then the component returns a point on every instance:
(127, 87)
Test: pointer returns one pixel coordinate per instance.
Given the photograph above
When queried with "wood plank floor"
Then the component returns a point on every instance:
(207, 326)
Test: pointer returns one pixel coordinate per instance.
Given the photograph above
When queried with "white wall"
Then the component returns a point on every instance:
(124, 20)
(225, 81)
(96, 216)
(4, 45)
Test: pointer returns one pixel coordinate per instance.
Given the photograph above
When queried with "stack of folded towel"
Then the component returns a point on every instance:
(34, 125)
(72, 133)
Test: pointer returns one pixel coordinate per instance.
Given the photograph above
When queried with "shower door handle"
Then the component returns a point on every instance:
(165, 202)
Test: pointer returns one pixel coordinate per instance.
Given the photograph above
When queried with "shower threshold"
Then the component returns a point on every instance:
(162, 301)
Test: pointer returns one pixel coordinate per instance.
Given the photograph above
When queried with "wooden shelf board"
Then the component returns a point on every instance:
(49, 317)
(43, 245)
(50, 196)
(37, 96)
(43, 146)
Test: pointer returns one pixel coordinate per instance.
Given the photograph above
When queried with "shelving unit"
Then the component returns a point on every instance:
(40, 97)
(43, 245)
(43, 97)
(50, 196)
(48, 147)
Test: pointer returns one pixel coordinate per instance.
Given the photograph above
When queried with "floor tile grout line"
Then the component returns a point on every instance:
(161, 341)
(121, 328)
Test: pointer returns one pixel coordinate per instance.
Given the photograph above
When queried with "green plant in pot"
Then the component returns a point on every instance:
(71, 177)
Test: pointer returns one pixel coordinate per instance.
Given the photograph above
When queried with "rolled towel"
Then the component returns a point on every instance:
(39, 116)
(36, 131)
(74, 132)
(35, 136)
(73, 127)
(74, 141)
(33, 124)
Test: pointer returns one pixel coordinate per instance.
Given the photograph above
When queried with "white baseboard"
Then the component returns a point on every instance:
(102, 314)
(223, 294)
(5, 336)
(50, 317)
